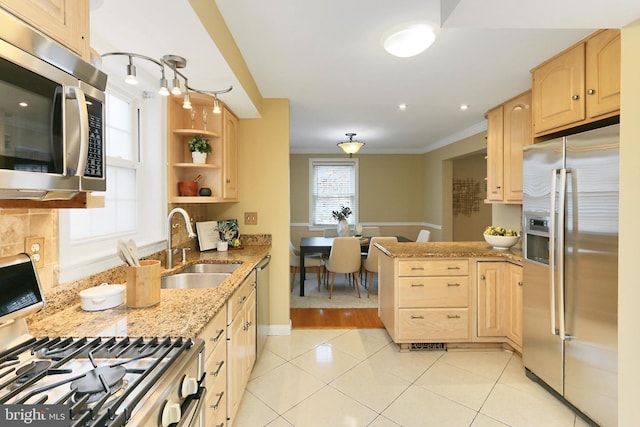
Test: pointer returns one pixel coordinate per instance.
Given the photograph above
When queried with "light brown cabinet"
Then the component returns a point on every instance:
(578, 86)
(241, 346)
(424, 301)
(491, 299)
(220, 172)
(508, 131)
(230, 151)
(215, 365)
(515, 294)
(66, 21)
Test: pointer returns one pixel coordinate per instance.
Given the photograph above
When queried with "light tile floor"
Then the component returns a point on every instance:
(357, 377)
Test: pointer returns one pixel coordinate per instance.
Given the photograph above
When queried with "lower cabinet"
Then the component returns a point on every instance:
(433, 301)
(241, 344)
(515, 300)
(215, 365)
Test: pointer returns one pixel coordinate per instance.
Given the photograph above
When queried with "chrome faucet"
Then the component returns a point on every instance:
(187, 220)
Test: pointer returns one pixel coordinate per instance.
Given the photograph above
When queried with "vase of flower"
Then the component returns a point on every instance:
(341, 216)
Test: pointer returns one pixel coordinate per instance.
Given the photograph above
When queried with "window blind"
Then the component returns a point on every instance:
(333, 185)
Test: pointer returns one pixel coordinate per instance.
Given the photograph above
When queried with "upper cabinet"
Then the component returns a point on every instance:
(230, 152)
(508, 131)
(219, 173)
(66, 21)
(578, 86)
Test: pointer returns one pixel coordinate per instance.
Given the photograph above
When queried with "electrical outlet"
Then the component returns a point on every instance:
(34, 247)
(251, 218)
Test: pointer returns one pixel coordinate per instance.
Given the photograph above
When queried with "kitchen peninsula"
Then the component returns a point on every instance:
(451, 295)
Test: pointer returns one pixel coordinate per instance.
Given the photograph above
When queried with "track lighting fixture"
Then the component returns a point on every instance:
(351, 147)
(131, 73)
(174, 62)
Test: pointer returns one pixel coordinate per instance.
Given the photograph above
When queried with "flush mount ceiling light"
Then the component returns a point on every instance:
(351, 147)
(174, 62)
(409, 40)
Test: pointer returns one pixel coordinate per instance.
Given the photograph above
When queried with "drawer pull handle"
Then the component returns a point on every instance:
(482, 277)
(417, 268)
(453, 268)
(215, 405)
(417, 317)
(220, 363)
(242, 300)
(575, 97)
(247, 326)
(453, 284)
(453, 316)
(417, 285)
(520, 283)
(217, 337)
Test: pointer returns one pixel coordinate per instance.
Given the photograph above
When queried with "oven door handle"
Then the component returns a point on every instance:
(190, 417)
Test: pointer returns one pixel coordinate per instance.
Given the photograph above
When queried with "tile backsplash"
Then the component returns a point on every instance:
(18, 224)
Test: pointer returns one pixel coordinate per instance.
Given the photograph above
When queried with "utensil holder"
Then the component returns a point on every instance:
(143, 284)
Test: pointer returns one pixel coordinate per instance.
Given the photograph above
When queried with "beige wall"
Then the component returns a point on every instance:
(264, 185)
(629, 291)
(469, 227)
(438, 175)
(391, 189)
(17, 224)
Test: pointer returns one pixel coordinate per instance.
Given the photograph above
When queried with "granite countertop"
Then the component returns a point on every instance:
(450, 250)
(180, 313)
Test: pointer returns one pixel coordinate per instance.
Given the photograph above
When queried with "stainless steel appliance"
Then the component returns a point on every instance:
(570, 247)
(51, 117)
(262, 303)
(102, 381)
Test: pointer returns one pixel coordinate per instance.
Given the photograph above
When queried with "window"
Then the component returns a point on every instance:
(135, 202)
(333, 183)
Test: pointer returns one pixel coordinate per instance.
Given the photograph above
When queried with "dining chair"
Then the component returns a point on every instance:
(370, 231)
(344, 258)
(330, 232)
(423, 236)
(311, 263)
(370, 264)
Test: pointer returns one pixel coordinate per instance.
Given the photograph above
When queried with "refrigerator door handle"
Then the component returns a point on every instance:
(562, 197)
(552, 251)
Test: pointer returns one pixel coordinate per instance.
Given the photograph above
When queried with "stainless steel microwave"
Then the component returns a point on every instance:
(51, 118)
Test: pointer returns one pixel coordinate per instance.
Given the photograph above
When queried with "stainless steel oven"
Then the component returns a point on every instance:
(51, 117)
(93, 381)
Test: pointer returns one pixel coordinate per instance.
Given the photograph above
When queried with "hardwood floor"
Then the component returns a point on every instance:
(318, 318)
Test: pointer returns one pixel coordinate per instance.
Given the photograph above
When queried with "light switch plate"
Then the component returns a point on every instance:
(251, 218)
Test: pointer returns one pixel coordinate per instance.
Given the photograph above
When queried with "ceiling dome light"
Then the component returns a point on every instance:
(409, 41)
(351, 147)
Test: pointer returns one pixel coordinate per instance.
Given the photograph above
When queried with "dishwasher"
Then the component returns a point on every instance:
(262, 303)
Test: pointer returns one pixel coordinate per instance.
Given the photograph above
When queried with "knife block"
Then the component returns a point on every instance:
(143, 284)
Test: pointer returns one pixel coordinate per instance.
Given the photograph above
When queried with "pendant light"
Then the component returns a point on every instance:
(351, 147)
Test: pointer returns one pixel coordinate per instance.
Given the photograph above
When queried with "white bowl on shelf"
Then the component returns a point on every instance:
(501, 243)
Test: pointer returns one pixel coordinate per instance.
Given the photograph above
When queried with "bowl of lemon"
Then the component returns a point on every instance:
(500, 238)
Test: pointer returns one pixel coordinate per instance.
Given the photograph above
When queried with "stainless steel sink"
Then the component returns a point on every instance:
(193, 280)
(212, 268)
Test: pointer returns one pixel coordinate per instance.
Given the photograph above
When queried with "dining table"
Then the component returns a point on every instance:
(322, 245)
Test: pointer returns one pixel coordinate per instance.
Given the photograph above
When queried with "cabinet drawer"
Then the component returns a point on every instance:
(452, 267)
(236, 302)
(215, 332)
(216, 368)
(216, 411)
(433, 292)
(441, 324)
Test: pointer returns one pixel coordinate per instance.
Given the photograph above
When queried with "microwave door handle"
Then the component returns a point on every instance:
(81, 113)
(552, 256)
(56, 137)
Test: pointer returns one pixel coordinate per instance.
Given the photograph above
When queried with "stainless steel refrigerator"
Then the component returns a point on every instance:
(570, 248)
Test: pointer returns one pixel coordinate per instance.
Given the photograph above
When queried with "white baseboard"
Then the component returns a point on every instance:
(280, 329)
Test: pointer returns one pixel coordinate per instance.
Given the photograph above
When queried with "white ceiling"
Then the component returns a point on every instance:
(326, 57)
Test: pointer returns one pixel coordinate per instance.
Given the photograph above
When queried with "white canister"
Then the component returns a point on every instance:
(222, 246)
(102, 297)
